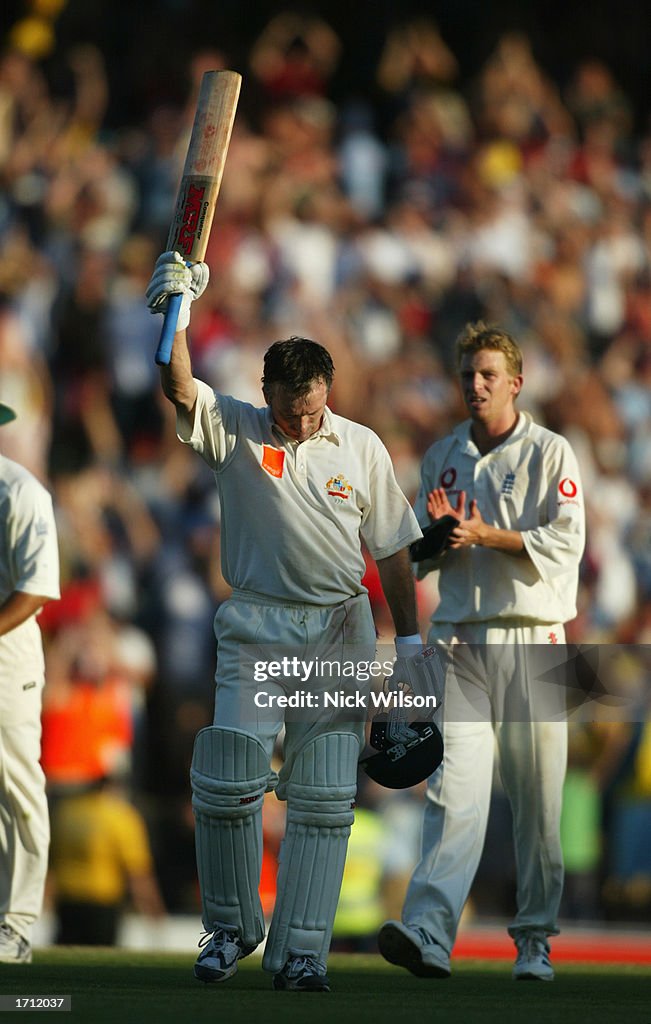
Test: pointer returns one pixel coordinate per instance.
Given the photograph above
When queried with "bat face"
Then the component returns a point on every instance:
(199, 188)
(204, 164)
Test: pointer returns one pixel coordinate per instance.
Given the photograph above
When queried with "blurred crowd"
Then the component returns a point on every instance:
(377, 225)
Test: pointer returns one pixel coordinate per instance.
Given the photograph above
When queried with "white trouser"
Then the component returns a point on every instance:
(494, 700)
(24, 826)
(267, 630)
(319, 773)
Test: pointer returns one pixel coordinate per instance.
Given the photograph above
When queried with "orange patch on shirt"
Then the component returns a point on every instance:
(273, 460)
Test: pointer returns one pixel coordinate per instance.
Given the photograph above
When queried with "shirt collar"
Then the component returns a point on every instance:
(327, 428)
(468, 446)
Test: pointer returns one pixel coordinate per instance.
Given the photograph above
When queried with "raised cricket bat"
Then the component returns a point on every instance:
(199, 188)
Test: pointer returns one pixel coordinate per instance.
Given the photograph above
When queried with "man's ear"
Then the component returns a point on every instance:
(516, 385)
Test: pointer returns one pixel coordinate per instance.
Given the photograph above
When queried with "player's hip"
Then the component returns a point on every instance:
(249, 618)
(501, 631)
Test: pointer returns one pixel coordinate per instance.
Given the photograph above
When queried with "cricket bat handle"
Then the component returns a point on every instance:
(166, 340)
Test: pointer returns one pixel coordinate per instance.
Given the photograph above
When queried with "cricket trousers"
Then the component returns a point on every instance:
(254, 630)
(499, 699)
(318, 775)
(24, 826)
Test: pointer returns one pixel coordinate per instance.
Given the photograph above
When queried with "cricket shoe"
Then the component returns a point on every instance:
(14, 949)
(221, 951)
(408, 947)
(302, 974)
(532, 962)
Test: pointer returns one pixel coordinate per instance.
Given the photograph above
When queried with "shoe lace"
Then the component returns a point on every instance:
(220, 938)
(425, 937)
(11, 935)
(531, 946)
(304, 965)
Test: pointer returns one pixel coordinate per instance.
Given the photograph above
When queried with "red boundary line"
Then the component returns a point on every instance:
(581, 948)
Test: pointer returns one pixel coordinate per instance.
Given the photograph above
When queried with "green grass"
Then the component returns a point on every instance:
(127, 987)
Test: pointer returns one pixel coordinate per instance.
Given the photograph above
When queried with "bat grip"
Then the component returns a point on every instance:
(164, 350)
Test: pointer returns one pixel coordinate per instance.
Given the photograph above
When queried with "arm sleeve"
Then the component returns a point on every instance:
(556, 546)
(213, 430)
(34, 541)
(389, 523)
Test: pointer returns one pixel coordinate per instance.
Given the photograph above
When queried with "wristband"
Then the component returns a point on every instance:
(405, 644)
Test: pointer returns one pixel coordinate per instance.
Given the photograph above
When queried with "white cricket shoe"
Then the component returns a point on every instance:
(302, 974)
(14, 949)
(221, 951)
(407, 947)
(532, 962)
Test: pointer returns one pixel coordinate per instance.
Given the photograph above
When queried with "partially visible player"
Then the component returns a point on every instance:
(508, 582)
(299, 488)
(29, 576)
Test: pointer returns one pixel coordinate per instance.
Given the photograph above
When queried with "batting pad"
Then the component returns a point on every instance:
(320, 801)
(229, 774)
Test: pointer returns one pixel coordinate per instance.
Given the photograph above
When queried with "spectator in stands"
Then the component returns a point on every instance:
(100, 859)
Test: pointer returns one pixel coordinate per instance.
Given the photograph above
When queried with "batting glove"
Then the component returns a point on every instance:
(172, 276)
(422, 673)
(407, 647)
(398, 730)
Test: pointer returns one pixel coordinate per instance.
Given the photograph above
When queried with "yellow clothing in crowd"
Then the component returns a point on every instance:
(360, 911)
(98, 841)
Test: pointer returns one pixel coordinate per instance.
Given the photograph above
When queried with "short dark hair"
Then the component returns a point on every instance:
(296, 364)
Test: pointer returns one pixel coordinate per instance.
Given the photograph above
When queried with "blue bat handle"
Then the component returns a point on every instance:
(164, 350)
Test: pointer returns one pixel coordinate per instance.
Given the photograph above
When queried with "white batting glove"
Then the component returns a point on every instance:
(398, 730)
(171, 276)
(407, 647)
(422, 673)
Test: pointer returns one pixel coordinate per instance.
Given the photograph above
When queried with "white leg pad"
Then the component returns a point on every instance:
(320, 802)
(230, 769)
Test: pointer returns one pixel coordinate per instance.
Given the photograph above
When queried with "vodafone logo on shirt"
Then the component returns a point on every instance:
(568, 491)
(447, 480)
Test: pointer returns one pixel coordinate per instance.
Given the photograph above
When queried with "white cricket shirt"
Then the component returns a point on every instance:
(292, 514)
(530, 483)
(29, 563)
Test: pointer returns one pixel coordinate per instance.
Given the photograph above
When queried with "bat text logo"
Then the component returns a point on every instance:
(192, 218)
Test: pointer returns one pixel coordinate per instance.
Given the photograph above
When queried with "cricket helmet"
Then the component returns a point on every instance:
(404, 760)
